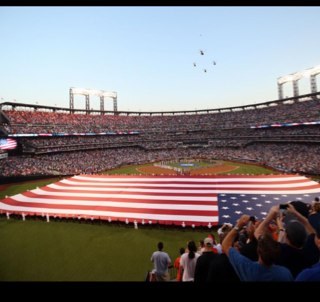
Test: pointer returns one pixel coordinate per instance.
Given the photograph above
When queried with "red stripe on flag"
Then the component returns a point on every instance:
(12, 202)
(121, 199)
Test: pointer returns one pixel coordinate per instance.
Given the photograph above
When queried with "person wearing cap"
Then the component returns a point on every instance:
(300, 206)
(296, 237)
(214, 244)
(220, 269)
(311, 273)
(299, 250)
(203, 262)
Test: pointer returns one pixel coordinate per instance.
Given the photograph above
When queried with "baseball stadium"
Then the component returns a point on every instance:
(86, 195)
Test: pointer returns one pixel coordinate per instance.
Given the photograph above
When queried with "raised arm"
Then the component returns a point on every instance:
(228, 240)
(263, 226)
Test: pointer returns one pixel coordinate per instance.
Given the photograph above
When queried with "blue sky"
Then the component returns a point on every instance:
(146, 54)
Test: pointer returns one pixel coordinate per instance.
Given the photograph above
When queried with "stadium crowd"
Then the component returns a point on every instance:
(137, 139)
(24, 121)
(285, 246)
(286, 157)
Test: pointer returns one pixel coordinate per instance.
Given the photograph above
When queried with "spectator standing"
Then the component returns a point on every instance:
(161, 262)
(188, 262)
(203, 262)
(312, 273)
(176, 264)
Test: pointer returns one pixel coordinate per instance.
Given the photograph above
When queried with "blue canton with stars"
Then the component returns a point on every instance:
(232, 206)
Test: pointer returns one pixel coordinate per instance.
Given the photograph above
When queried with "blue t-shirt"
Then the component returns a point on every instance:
(161, 261)
(249, 270)
(310, 274)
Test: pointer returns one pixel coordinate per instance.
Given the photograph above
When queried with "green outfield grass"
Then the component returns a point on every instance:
(127, 170)
(249, 169)
(316, 178)
(70, 251)
(17, 188)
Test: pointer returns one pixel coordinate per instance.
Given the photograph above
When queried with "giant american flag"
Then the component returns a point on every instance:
(179, 200)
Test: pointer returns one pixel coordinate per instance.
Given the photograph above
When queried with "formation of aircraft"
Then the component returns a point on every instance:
(202, 53)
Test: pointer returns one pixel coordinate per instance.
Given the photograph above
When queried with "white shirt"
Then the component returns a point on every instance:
(189, 266)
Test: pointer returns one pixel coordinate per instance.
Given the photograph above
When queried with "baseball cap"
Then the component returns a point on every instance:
(208, 241)
(296, 233)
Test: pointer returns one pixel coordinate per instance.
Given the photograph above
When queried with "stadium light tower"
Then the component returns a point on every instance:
(312, 73)
(87, 92)
(112, 95)
(295, 77)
